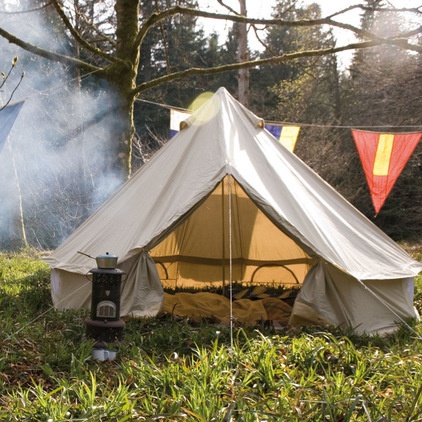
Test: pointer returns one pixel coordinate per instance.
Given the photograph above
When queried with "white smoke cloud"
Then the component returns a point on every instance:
(59, 142)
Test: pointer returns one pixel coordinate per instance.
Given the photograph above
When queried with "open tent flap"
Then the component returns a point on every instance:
(228, 228)
(142, 293)
(226, 238)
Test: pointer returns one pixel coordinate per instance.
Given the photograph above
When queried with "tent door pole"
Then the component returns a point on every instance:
(223, 266)
(19, 192)
(230, 258)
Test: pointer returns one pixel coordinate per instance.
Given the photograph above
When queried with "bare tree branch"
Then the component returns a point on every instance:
(389, 40)
(5, 77)
(253, 63)
(13, 92)
(78, 37)
(417, 10)
(227, 7)
(94, 27)
(158, 16)
(49, 54)
(398, 40)
(36, 9)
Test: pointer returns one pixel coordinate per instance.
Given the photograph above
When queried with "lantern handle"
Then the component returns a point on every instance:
(83, 253)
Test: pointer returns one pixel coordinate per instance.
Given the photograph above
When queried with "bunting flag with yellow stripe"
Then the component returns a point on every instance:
(383, 157)
(287, 135)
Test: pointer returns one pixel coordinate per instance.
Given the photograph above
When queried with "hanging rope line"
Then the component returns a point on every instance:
(169, 107)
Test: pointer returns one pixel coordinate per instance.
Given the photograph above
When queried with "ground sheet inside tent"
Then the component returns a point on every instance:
(248, 306)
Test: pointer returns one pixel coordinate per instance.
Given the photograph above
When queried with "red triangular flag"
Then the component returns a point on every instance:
(383, 157)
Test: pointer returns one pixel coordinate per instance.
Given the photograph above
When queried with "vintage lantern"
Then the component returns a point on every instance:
(104, 324)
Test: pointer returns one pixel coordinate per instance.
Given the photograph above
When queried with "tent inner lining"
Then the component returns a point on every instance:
(197, 250)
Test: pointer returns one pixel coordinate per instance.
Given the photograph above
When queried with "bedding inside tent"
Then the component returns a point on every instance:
(226, 250)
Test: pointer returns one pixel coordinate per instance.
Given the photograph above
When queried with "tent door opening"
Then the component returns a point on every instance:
(198, 253)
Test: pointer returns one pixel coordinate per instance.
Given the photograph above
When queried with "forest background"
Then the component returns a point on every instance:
(59, 163)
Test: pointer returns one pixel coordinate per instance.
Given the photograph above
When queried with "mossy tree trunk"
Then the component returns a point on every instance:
(121, 75)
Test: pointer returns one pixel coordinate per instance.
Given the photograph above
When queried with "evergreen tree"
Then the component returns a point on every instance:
(175, 45)
(382, 93)
(298, 90)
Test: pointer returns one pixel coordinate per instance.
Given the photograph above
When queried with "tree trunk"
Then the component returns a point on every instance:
(243, 56)
(122, 78)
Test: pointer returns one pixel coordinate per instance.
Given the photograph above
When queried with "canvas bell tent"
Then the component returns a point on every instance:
(224, 202)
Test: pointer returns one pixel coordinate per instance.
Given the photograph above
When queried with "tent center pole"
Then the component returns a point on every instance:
(223, 229)
(230, 259)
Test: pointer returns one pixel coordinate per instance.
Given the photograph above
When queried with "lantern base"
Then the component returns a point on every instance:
(105, 331)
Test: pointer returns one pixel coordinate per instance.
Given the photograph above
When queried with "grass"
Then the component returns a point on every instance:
(174, 370)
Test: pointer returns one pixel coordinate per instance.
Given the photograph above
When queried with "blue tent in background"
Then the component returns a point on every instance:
(7, 118)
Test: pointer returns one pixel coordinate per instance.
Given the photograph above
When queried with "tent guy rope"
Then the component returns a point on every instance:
(51, 308)
(381, 300)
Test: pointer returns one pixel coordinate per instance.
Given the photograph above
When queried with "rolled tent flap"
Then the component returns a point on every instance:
(142, 293)
(331, 297)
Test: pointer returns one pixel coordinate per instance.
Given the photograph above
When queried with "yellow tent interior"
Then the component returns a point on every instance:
(227, 237)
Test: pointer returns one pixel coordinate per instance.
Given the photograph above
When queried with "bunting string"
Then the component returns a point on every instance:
(276, 122)
(383, 155)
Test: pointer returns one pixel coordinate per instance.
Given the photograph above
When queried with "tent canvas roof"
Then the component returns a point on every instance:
(224, 139)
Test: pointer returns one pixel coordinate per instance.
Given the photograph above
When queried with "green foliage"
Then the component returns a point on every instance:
(169, 369)
(380, 89)
(176, 44)
(305, 89)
